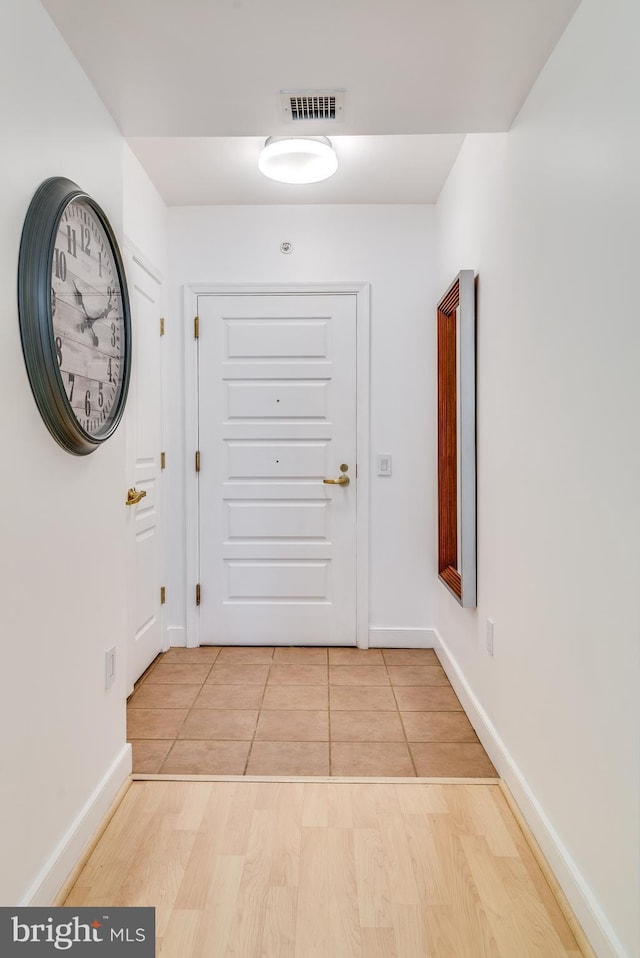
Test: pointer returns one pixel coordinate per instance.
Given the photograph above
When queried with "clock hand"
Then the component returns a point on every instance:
(101, 315)
(88, 321)
(79, 299)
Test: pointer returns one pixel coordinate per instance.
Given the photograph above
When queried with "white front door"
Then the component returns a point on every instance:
(277, 416)
(144, 444)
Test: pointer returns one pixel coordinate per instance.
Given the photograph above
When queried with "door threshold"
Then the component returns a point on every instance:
(327, 779)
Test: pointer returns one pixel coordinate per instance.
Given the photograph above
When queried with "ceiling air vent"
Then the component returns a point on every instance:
(312, 105)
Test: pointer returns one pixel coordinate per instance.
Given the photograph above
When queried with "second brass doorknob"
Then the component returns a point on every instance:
(134, 496)
(340, 481)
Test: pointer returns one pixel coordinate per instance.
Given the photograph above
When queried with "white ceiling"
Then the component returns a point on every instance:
(202, 78)
(221, 170)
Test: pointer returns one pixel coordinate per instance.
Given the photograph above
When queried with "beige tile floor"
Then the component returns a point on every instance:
(301, 711)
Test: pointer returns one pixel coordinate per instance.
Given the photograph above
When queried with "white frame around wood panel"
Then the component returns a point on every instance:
(190, 300)
(133, 255)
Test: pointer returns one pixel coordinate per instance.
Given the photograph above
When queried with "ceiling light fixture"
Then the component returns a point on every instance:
(300, 159)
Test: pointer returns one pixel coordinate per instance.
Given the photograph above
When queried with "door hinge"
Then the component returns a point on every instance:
(162, 325)
(198, 594)
(198, 461)
(196, 327)
(163, 594)
(163, 460)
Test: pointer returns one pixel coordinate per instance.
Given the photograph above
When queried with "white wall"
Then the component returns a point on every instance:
(144, 213)
(62, 576)
(393, 249)
(549, 216)
(62, 551)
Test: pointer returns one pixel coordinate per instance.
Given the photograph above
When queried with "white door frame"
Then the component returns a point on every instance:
(190, 300)
(134, 256)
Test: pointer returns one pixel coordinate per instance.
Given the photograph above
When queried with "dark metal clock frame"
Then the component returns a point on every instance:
(35, 266)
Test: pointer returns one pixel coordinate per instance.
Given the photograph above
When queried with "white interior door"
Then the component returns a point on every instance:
(144, 444)
(277, 416)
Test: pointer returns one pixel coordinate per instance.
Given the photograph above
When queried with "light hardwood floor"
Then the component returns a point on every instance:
(326, 870)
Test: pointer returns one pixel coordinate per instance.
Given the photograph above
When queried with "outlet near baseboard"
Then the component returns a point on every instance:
(109, 667)
(490, 636)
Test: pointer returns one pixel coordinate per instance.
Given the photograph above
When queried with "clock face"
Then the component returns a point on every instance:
(74, 316)
(87, 317)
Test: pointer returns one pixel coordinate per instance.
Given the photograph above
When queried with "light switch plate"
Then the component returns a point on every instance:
(384, 464)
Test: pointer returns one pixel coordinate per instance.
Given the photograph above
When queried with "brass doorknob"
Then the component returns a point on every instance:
(340, 481)
(134, 496)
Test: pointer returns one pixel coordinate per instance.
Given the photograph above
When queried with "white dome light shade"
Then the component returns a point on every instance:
(298, 159)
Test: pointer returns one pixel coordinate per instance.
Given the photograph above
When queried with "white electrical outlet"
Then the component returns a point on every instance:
(489, 636)
(109, 667)
(384, 465)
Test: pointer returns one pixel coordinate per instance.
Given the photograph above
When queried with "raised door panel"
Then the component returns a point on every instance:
(277, 460)
(267, 338)
(277, 520)
(284, 400)
(272, 580)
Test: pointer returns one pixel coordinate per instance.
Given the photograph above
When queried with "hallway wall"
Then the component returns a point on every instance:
(144, 213)
(62, 556)
(548, 215)
(393, 249)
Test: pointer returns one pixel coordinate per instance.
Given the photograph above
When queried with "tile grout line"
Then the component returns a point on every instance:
(190, 710)
(404, 731)
(164, 760)
(204, 682)
(260, 710)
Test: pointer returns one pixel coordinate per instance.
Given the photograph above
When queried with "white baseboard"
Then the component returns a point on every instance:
(583, 902)
(177, 637)
(401, 638)
(63, 859)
